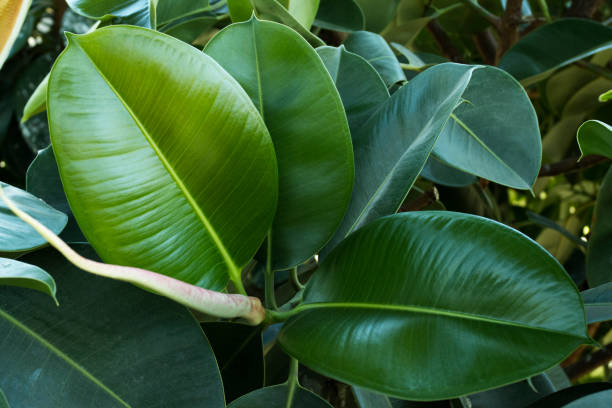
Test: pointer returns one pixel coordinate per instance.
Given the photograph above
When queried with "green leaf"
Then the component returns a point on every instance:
(347, 70)
(377, 13)
(276, 397)
(393, 145)
(37, 102)
(109, 344)
(3, 402)
(555, 45)
(137, 12)
(304, 11)
(12, 17)
(340, 15)
(240, 10)
(548, 223)
(17, 236)
(495, 133)
(144, 192)
(368, 399)
(605, 97)
(377, 52)
(601, 399)
(238, 348)
(517, 395)
(598, 303)
(575, 393)
(189, 30)
(274, 11)
(441, 173)
(303, 112)
(415, 290)
(595, 137)
(15, 273)
(598, 260)
(169, 10)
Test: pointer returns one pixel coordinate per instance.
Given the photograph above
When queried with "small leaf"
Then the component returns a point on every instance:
(12, 17)
(599, 257)
(37, 102)
(555, 45)
(595, 137)
(605, 97)
(21, 274)
(276, 397)
(340, 15)
(17, 236)
(598, 303)
(414, 291)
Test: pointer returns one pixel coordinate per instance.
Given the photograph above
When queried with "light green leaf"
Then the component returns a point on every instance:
(392, 146)
(37, 102)
(555, 45)
(144, 192)
(599, 256)
(108, 344)
(340, 15)
(595, 137)
(605, 97)
(274, 11)
(304, 11)
(301, 107)
(414, 291)
(377, 52)
(17, 236)
(12, 17)
(276, 397)
(15, 273)
(598, 303)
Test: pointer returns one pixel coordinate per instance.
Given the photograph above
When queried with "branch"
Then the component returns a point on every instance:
(486, 45)
(484, 13)
(444, 42)
(570, 165)
(508, 29)
(588, 364)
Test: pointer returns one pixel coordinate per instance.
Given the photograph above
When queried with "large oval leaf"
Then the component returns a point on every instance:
(109, 344)
(555, 45)
(176, 172)
(303, 112)
(599, 259)
(15, 273)
(16, 235)
(276, 397)
(12, 16)
(433, 305)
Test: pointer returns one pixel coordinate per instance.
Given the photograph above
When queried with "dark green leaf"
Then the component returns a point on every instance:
(239, 351)
(190, 29)
(441, 173)
(377, 52)
(598, 303)
(517, 395)
(3, 402)
(595, 137)
(109, 344)
(340, 15)
(377, 13)
(16, 235)
(303, 112)
(555, 45)
(548, 223)
(137, 12)
(575, 393)
(15, 273)
(169, 10)
(436, 305)
(144, 193)
(276, 397)
(599, 257)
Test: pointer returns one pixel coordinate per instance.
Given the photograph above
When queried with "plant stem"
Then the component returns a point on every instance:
(269, 288)
(570, 165)
(484, 13)
(544, 8)
(295, 279)
(292, 381)
(444, 42)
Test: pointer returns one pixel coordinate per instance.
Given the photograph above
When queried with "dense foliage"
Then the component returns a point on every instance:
(305, 203)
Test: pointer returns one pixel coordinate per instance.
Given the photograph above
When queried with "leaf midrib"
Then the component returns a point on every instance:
(429, 311)
(234, 271)
(15, 322)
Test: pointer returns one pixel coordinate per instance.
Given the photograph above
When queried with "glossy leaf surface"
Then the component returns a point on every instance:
(16, 273)
(377, 52)
(12, 16)
(340, 15)
(598, 303)
(276, 397)
(16, 235)
(599, 257)
(274, 11)
(595, 137)
(425, 298)
(393, 145)
(136, 350)
(137, 12)
(555, 45)
(301, 107)
(174, 152)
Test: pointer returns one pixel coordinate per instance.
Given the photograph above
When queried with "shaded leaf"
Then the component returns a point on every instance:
(340, 15)
(143, 192)
(548, 223)
(578, 393)
(414, 291)
(136, 350)
(595, 137)
(15, 273)
(276, 397)
(599, 256)
(598, 303)
(301, 107)
(517, 395)
(3, 402)
(137, 12)
(377, 13)
(441, 173)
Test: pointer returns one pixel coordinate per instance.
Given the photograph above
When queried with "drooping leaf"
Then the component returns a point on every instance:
(108, 344)
(576, 393)
(169, 10)
(348, 69)
(301, 107)
(555, 45)
(340, 15)
(595, 137)
(12, 16)
(137, 12)
(377, 52)
(17, 236)
(238, 349)
(436, 305)
(599, 261)
(276, 397)
(144, 192)
(598, 303)
(495, 133)
(548, 223)
(393, 145)
(15, 273)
